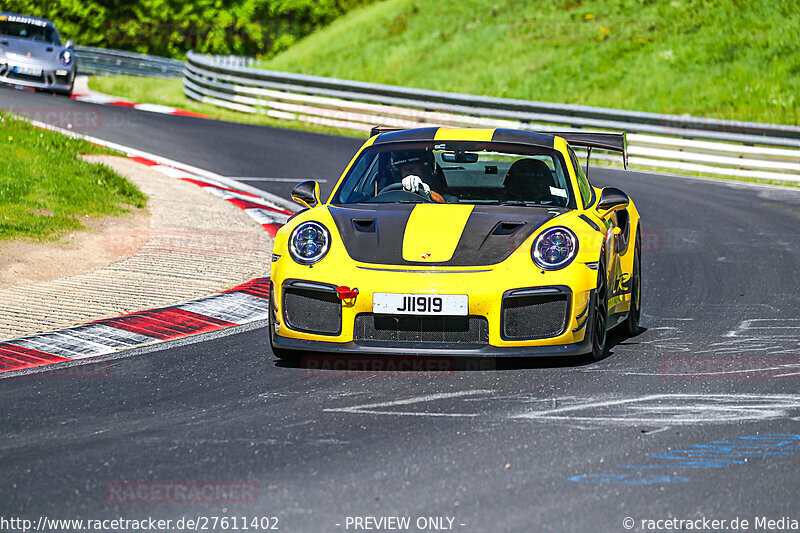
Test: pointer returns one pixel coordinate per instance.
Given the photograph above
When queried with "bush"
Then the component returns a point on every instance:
(171, 27)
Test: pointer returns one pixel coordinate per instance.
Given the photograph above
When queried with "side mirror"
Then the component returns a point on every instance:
(69, 44)
(611, 199)
(306, 193)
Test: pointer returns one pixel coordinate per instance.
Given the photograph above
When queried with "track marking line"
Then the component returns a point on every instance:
(101, 99)
(373, 408)
(685, 409)
(657, 410)
(755, 324)
(288, 180)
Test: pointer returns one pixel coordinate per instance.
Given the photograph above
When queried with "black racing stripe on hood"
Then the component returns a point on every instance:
(490, 236)
(523, 137)
(380, 242)
(419, 134)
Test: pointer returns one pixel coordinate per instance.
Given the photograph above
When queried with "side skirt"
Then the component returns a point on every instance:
(616, 319)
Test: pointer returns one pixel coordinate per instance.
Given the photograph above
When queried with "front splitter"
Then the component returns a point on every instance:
(431, 349)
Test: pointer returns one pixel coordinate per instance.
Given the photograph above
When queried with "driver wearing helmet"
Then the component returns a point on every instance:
(418, 170)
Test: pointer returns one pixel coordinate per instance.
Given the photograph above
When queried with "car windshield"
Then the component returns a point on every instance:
(26, 28)
(458, 172)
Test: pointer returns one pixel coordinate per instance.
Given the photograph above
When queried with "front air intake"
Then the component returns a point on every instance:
(370, 327)
(534, 313)
(312, 307)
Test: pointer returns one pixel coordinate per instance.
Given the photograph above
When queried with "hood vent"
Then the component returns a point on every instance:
(365, 225)
(507, 228)
(388, 234)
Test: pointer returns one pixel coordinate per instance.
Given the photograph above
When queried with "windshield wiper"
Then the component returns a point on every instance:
(517, 202)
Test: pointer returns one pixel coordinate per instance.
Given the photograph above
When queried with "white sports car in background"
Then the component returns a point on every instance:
(32, 55)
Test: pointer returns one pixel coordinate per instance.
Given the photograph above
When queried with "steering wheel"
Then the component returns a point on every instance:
(399, 187)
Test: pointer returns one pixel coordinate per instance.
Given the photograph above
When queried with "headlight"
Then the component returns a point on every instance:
(66, 57)
(309, 243)
(554, 248)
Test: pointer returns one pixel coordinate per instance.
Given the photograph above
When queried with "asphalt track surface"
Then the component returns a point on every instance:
(537, 445)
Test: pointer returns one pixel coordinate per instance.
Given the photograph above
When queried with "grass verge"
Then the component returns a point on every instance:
(45, 188)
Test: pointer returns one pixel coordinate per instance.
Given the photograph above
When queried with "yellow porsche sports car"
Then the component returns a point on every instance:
(440, 241)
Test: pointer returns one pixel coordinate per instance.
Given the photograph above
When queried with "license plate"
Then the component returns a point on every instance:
(28, 71)
(420, 304)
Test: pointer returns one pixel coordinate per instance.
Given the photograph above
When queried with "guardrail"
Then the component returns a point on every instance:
(682, 143)
(105, 61)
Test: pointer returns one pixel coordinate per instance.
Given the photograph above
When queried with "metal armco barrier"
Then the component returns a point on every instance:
(681, 143)
(104, 61)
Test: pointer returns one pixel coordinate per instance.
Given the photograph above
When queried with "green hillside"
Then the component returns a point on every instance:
(716, 58)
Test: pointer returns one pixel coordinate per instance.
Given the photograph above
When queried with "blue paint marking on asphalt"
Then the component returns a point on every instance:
(723, 453)
(628, 479)
(718, 454)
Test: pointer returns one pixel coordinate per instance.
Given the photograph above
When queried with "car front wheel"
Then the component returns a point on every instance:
(600, 312)
(631, 324)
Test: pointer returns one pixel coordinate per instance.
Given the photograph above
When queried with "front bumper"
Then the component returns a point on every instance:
(52, 79)
(485, 288)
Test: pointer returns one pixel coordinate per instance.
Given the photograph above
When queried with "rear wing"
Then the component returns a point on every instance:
(615, 142)
(377, 130)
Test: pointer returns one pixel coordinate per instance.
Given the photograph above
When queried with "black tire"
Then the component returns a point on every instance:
(599, 315)
(631, 324)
